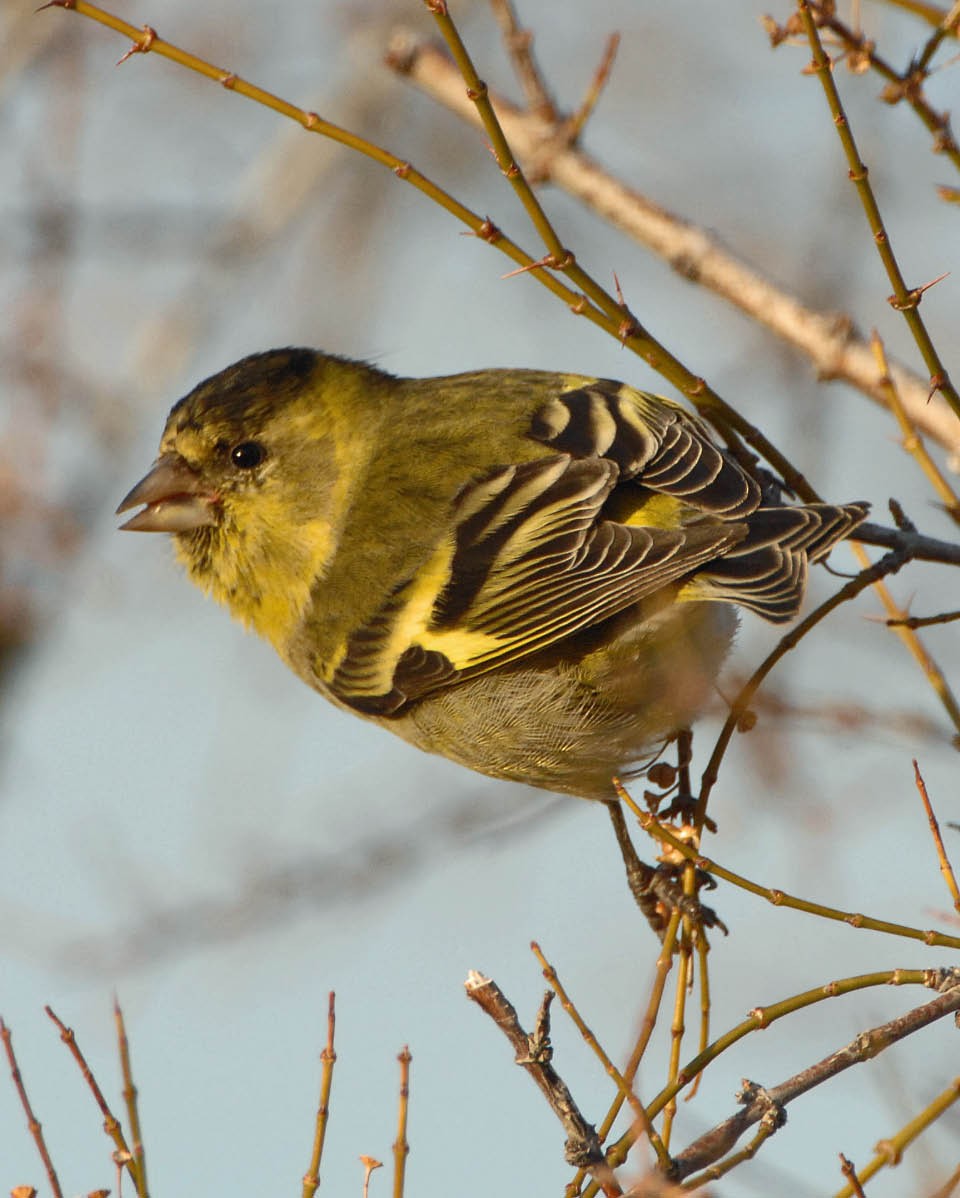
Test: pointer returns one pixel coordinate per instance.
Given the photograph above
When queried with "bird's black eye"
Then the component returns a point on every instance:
(247, 455)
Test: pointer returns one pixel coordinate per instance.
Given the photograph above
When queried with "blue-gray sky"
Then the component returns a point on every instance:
(183, 823)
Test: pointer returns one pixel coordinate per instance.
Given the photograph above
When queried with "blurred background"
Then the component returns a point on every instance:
(185, 825)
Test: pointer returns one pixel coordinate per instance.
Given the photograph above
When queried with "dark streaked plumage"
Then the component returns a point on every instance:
(530, 573)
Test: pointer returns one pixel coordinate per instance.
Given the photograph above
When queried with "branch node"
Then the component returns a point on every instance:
(890, 1152)
(141, 45)
(488, 231)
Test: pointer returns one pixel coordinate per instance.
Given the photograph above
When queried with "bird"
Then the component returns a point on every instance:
(531, 573)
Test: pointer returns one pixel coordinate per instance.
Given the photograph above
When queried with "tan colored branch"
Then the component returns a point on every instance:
(836, 349)
(756, 1101)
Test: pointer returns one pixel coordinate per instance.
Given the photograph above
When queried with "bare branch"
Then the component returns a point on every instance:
(829, 339)
(533, 1053)
(716, 1142)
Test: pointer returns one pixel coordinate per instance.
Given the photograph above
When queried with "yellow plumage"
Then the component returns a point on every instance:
(526, 572)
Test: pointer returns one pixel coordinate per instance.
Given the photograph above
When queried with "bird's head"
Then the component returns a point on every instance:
(247, 481)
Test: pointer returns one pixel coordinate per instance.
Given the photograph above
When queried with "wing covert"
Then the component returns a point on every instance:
(654, 442)
(528, 562)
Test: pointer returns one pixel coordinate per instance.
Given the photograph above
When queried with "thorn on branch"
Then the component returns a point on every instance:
(486, 231)
(914, 296)
(550, 261)
(936, 384)
(141, 45)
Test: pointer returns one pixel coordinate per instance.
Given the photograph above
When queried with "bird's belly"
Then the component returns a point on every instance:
(570, 720)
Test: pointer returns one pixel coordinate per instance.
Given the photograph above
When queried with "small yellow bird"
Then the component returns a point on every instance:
(529, 573)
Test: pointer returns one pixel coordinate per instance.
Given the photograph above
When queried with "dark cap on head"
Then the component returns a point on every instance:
(238, 391)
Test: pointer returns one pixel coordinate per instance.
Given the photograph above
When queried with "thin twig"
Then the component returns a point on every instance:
(914, 545)
(931, 13)
(904, 299)
(945, 867)
(139, 1160)
(559, 258)
(712, 1147)
(480, 226)
(780, 898)
(772, 1120)
(519, 45)
(122, 1156)
(865, 1047)
(33, 1123)
(829, 340)
(401, 1148)
(915, 622)
(949, 1187)
(899, 622)
(328, 1058)
(575, 124)
(911, 441)
(906, 86)
(678, 1021)
(647, 1025)
(626, 1091)
(850, 1173)
(533, 1052)
(889, 1151)
(890, 563)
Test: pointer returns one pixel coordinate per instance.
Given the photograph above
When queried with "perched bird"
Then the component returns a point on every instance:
(533, 574)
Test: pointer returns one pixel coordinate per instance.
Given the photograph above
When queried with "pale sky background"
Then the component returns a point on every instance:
(184, 824)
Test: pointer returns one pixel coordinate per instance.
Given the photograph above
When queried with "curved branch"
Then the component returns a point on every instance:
(829, 339)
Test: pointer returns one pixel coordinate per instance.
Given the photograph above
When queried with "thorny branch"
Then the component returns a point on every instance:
(715, 1143)
(829, 339)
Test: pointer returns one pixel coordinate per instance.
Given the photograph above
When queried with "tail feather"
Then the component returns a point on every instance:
(767, 571)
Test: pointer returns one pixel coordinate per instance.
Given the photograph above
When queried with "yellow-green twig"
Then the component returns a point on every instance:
(890, 1150)
(311, 1179)
(780, 898)
(905, 299)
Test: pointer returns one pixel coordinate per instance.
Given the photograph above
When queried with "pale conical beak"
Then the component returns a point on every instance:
(176, 498)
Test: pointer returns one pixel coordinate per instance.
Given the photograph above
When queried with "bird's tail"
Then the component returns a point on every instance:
(767, 571)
